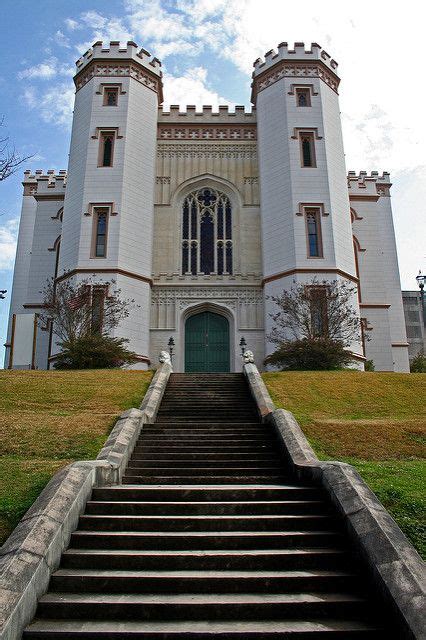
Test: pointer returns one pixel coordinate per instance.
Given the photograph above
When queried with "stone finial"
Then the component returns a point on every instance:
(248, 357)
(164, 357)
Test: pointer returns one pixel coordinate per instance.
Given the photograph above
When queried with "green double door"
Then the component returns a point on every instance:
(207, 343)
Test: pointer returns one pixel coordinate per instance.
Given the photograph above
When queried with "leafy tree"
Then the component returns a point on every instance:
(9, 159)
(80, 309)
(95, 351)
(313, 325)
(82, 316)
(418, 363)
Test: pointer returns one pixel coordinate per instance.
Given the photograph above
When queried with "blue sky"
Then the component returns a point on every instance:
(207, 48)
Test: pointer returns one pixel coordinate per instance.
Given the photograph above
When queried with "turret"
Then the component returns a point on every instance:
(306, 224)
(109, 203)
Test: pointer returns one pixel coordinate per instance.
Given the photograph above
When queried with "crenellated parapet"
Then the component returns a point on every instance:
(364, 186)
(49, 185)
(296, 62)
(117, 61)
(207, 124)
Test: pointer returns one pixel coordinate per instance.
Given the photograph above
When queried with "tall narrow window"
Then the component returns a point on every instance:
(110, 96)
(307, 149)
(303, 97)
(313, 232)
(207, 233)
(106, 149)
(101, 227)
(98, 303)
(319, 315)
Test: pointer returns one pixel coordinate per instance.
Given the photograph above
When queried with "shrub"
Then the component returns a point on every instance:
(310, 354)
(94, 351)
(418, 363)
(369, 365)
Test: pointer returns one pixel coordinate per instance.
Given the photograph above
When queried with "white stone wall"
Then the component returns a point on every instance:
(380, 289)
(22, 264)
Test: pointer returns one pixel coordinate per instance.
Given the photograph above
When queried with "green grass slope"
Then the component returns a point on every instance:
(375, 421)
(51, 418)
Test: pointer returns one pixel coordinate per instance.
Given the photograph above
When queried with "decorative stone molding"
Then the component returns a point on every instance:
(287, 69)
(298, 130)
(207, 132)
(119, 69)
(168, 302)
(311, 205)
(245, 151)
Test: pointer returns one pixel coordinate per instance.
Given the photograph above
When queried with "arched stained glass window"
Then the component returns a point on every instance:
(207, 233)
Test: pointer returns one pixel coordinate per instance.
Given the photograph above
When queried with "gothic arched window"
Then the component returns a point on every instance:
(206, 233)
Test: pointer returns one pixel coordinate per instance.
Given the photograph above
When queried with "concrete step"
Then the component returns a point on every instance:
(192, 540)
(154, 447)
(307, 559)
(269, 507)
(207, 456)
(129, 478)
(253, 462)
(243, 469)
(199, 581)
(312, 629)
(183, 492)
(302, 522)
(247, 606)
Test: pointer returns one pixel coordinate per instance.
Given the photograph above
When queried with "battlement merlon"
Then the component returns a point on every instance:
(114, 51)
(115, 62)
(298, 53)
(364, 186)
(222, 115)
(45, 185)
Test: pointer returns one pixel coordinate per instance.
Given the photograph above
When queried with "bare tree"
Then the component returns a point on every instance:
(80, 309)
(9, 159)
(318, 309)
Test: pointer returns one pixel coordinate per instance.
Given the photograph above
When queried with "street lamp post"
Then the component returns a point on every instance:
(243, 345)
(421, 282)
(171, 345)
(3, 294)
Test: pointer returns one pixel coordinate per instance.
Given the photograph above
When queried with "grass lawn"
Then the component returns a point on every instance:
(51, 418)
(375, 421)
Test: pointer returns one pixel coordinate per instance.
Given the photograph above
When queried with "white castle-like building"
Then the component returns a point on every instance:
(202, 216)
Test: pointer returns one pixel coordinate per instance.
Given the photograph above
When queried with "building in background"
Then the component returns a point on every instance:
(201, 217)
(414, 323)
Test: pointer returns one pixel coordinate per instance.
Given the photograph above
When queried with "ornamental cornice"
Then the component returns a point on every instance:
(166, 295)
(286, 69)
(221, 150)
(207, 132)
(119, 69)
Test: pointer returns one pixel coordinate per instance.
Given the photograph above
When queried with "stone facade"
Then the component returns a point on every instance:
(414, 322)
(255, 181)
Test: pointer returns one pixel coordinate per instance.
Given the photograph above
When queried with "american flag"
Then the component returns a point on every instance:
(79, 300)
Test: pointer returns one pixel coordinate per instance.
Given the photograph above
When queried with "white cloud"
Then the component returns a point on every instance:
(71, 24)
(190, 89)
(54, 105)
(8, 238)
(61, 39)
(44, 71)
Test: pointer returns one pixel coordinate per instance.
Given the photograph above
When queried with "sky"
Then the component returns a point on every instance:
(207, 48)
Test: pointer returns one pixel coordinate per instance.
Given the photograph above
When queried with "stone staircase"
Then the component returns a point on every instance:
(208, 537)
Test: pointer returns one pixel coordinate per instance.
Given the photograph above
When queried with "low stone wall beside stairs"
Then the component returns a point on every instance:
(33, 551)
(394, 566)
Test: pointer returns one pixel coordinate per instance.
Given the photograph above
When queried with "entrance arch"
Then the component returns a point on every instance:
(207, 343)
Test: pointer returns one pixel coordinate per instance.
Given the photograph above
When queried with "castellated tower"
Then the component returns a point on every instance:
(306, 223)
(109, 203)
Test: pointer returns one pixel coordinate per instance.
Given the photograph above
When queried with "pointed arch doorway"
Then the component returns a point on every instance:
(207, 343)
